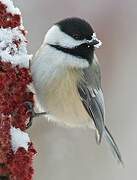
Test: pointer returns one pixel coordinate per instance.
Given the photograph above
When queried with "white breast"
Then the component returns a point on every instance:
(56, 89)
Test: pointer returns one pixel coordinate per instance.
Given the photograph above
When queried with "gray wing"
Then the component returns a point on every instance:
(92, 96)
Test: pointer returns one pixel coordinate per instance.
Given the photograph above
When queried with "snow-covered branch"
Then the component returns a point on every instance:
(16, 149)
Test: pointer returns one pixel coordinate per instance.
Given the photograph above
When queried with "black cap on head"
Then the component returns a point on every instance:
(77, 28)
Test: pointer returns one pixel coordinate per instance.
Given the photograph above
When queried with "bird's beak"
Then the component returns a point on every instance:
(95, 41)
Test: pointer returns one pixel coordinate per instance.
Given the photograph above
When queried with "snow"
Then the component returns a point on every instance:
(19, 56)
(19, 139)
(10, 7)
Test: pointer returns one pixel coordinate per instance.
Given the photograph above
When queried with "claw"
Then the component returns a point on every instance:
(33, 113)
(29, 123)
(30, 108)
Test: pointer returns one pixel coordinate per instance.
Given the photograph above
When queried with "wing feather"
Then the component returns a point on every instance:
(92, 98)
(91, 102)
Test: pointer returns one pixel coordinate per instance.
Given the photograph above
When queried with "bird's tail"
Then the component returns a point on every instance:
(113, 145)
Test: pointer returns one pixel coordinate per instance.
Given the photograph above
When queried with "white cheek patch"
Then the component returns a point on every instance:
(56, 37)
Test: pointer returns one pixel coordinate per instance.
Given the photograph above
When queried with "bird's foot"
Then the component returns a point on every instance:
(32, 112)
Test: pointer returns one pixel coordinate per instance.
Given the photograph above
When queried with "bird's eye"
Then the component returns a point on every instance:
(75, 36)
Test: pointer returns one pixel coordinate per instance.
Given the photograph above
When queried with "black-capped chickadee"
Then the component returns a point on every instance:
(67, 78)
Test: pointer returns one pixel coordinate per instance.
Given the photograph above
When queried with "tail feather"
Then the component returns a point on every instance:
(113, 145)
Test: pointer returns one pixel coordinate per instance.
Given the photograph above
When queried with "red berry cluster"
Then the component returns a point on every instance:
(14, 111)
(5, 147)
(20, 164)
(14, 93)
(7, 19)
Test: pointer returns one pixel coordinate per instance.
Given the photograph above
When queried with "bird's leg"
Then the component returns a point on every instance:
(33, 113)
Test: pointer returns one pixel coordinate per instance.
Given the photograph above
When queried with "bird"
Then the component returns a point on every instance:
(67, 78)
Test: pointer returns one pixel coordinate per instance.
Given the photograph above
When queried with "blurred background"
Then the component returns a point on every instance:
(72, 154)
